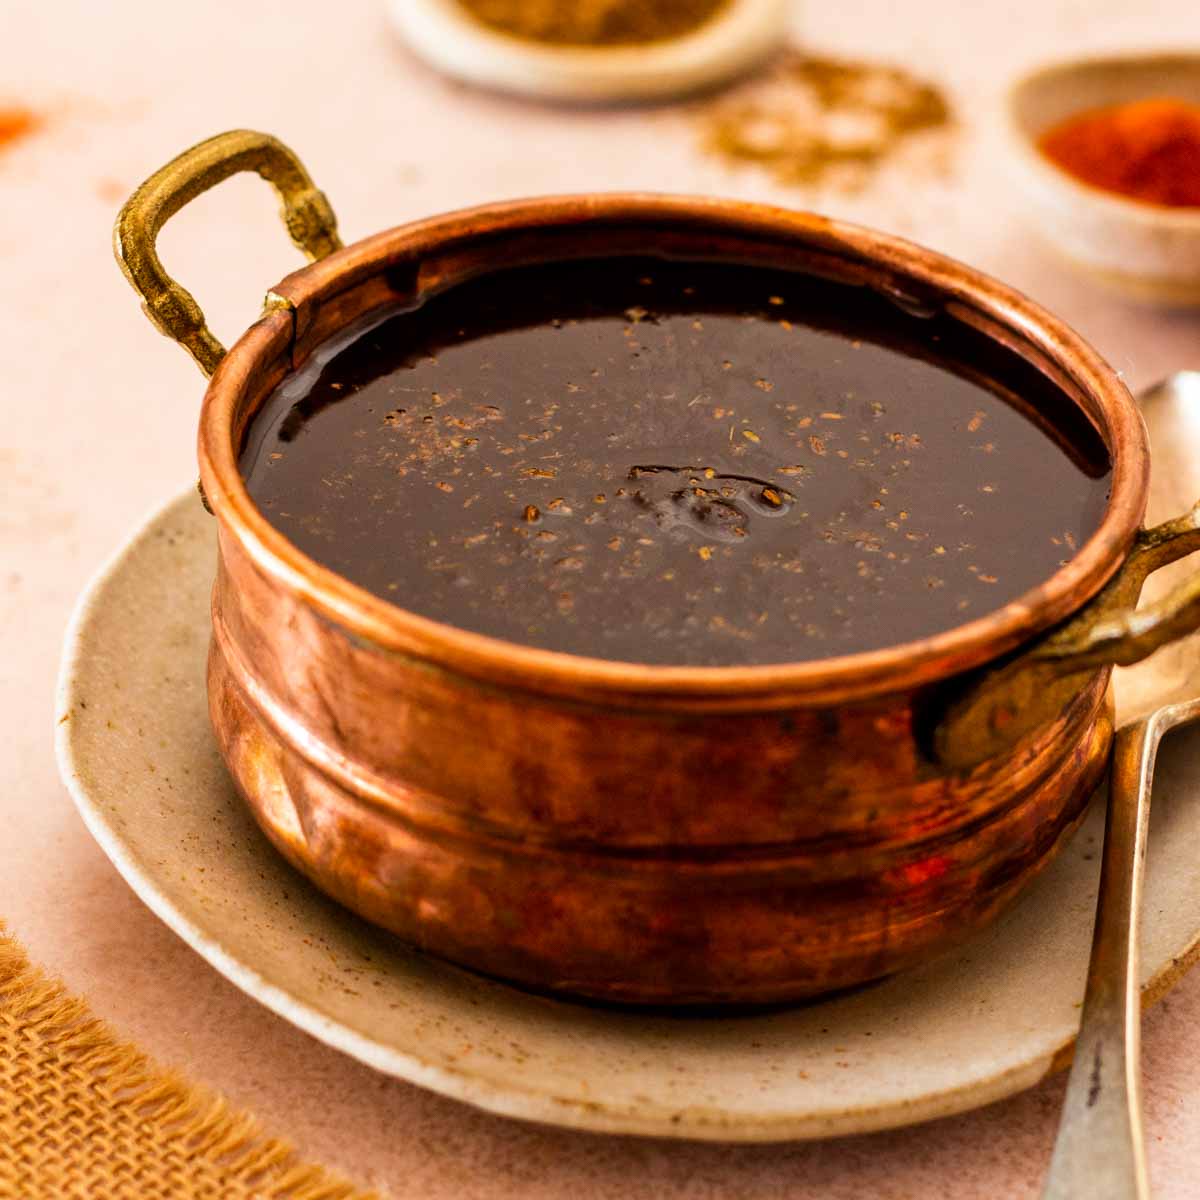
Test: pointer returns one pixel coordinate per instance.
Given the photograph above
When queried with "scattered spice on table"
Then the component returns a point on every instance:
(811, 120)
(1148, 150)
(595, 22)
(15, 124)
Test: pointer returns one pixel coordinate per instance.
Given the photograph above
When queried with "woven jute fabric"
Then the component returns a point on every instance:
(84, 1114)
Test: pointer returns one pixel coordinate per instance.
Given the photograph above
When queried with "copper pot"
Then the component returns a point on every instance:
(636, 833)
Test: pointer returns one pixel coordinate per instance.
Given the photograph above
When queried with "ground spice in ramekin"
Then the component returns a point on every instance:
(594, 22)
(1148, 150)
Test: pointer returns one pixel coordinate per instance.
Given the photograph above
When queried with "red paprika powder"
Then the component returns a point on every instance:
(15, 123)
(1148, 150)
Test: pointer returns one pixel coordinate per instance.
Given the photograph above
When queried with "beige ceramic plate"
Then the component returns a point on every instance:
(136, 752)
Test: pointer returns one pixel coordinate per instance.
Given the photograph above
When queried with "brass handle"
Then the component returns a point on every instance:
(1004, 703)
(1122, 634)
(171, 307)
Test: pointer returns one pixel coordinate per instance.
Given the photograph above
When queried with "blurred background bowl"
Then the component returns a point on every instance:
(448, 37)
(1146, 251)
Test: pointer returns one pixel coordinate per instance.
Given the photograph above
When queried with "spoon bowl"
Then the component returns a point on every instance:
(1172, 414)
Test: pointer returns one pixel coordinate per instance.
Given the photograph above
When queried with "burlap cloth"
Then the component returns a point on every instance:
(84, 1114)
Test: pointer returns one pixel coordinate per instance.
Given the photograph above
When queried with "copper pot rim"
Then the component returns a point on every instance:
(395, 629)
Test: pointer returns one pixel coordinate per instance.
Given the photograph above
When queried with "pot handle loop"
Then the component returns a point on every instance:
(1004, 703)
(1118, 633)
(171, 308)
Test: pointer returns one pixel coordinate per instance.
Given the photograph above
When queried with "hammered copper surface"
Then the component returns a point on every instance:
(754, 858)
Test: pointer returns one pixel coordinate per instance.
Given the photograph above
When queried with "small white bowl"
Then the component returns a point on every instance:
(444, 34)
(1144, 251)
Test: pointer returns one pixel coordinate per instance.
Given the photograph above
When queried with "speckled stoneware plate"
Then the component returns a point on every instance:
(136, 752)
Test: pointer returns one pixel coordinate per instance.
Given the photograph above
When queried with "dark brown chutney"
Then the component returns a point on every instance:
(678, 462)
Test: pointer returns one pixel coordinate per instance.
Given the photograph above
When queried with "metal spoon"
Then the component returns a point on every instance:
(1100, 1151)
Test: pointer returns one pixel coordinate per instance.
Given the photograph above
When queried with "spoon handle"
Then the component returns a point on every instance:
(1100, 1153)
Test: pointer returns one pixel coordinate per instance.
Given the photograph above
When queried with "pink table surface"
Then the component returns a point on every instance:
(98, 418)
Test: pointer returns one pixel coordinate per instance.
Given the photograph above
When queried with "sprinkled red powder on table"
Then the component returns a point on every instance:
(16, 123)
